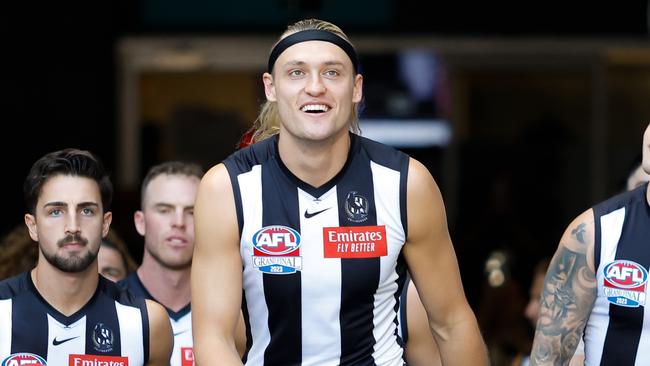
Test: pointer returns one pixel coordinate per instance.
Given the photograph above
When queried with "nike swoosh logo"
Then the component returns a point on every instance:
(181, 332)
(309, 215)
(55, 342)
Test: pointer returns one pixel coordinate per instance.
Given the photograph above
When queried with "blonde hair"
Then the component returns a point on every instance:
(267, 123)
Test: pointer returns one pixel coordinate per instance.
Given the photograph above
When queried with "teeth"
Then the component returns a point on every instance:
(315, 108)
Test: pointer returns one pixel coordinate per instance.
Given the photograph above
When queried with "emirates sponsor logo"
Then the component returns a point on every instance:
(355, 242)
(94, 360)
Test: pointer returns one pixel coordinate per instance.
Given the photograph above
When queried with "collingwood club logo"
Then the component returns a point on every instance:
(356, 207)
(103, 338)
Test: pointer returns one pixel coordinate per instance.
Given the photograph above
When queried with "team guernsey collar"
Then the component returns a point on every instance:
(313, 35)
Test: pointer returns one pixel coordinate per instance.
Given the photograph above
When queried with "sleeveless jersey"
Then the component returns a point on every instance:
(181, 321)
(323, 270)
(111, 329)
(618, 328)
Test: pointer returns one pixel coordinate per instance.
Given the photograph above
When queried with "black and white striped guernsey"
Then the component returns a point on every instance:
(111, 329)
(181, 321)
(323, 270)
(618, 329)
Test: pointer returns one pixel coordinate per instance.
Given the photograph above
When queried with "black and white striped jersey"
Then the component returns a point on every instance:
(618, 329)
(181, 322)
(111, 329)
(323, 270)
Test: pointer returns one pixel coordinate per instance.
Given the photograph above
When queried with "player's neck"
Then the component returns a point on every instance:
(170, 287)
(66, 292)
(315, 163)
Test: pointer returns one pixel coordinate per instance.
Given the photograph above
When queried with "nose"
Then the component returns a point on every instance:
(315, 85)
(179, 219)
(72, 224)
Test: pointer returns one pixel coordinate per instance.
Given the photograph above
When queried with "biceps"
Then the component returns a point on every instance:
(569, 292)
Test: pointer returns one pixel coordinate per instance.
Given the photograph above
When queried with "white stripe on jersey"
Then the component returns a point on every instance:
(611, 227)
(131, 333)
(387, 197)
(182, 329)
(5, 331)
(73, 336)
(249, 183)
(643, 351)
(321, 313)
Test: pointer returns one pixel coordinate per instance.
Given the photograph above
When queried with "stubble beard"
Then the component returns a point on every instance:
(75, 262)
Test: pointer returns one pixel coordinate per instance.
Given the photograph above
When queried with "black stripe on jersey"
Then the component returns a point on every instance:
(241, 161)
(597, 238)
(125, 295)
(23, 307)
(626, 323)
(282, 292)
(403, 305)
(103, 329)
(359, 276)
(400, 300)
(134, 284)
(247, 322)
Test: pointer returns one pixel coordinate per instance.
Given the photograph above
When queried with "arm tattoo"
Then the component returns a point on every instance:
(579, 233)
(567, 298)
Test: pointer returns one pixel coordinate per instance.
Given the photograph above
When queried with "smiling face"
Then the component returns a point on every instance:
(68, 222)
(315, 88)
(167, 219)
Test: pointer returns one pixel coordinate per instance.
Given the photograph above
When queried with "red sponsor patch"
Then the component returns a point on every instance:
(95, 360)
(355, 242)
(187, 356)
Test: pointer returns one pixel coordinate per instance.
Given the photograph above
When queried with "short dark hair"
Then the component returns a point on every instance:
(170, 168)
(73, 162)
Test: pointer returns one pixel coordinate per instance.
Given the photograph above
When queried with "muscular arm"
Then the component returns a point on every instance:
(568, 295)
(421, 348)
(161, 340)
(216, 271)
(432, 262)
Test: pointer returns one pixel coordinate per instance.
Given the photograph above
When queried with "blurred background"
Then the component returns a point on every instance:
(525, 114)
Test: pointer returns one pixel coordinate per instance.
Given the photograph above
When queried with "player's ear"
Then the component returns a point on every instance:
(269, 87)
(108, 218)
(30, 221)
(138, 220)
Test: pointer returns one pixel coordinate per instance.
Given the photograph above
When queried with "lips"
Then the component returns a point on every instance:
(177, 240)
(315, 108)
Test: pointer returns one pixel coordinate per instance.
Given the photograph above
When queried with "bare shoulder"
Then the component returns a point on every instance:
(579, 237)
(216, 176)
(425, 207)
(160, 334)
(157, 312)
(419, 177)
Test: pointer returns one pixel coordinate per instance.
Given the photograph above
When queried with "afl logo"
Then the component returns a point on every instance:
(276, 240)
(18, 359)
(625, 274)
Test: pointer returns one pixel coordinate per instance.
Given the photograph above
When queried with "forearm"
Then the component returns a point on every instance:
(554, 350)
(216, 350)
(463, 345)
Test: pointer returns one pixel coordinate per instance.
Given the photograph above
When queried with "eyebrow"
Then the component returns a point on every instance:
(65, 204)
(302, 63)
(169, 205)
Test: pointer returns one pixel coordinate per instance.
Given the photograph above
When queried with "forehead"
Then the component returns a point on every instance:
(314, 52)
(171, 188)
(70, 189)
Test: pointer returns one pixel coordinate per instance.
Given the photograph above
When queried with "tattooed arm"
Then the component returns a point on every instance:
(568, 295)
